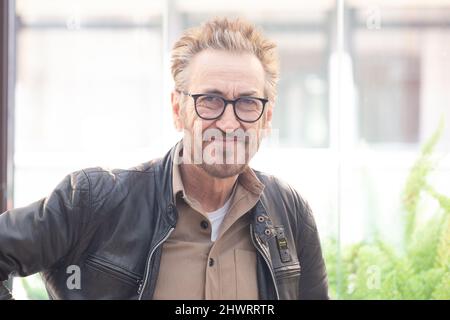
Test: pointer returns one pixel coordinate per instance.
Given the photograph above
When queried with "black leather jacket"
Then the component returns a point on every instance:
(109, 226)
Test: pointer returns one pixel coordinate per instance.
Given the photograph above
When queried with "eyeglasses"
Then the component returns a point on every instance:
(212, 106)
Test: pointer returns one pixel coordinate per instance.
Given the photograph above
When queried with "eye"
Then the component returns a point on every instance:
(210, 101)
(248, 101)
(210, 98)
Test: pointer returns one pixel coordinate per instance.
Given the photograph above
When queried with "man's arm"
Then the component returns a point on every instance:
(313, 278)
(35, 237)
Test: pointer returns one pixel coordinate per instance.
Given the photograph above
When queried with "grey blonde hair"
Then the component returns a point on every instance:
(230, 35)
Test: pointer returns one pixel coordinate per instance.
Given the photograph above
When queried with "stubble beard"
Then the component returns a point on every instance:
(226, 169)
(222, 159)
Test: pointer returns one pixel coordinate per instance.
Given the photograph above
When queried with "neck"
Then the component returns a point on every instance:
(209, 191)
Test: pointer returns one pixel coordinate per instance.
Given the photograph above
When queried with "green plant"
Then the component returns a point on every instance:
(421, 270)
(34, 287)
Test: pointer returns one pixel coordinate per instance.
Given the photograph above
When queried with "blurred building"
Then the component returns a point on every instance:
(363, 85)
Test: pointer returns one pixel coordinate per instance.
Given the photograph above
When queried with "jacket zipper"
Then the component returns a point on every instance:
(266, 260)
(127, 277)
(147, 266)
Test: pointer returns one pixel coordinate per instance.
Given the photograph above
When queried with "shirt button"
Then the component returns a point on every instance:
(211, 262)
(204, 224)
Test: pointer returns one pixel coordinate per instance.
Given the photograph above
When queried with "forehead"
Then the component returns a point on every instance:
(226, 71)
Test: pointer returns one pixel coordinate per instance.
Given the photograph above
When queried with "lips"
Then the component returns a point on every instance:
(225, 139)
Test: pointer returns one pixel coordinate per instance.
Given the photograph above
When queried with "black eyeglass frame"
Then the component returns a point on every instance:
(226, 103)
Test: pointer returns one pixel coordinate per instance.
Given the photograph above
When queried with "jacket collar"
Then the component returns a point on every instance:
(163, 185)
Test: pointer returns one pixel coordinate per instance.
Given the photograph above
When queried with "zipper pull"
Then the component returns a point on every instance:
(141, 284)
(282, 245)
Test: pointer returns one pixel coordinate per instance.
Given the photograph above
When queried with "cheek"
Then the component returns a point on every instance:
(193, 122)
(256, 127)
(188, 117)
(207, 124)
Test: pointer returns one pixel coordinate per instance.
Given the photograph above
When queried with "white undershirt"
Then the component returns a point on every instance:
(216, 218)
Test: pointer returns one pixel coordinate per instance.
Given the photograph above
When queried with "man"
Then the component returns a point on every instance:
(196, 224)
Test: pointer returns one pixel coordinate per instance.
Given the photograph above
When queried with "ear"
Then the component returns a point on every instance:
(267, 124)
(269, 113)
(176, 110)
(268, 117)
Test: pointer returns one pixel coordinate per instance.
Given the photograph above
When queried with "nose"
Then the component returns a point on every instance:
(228, 121)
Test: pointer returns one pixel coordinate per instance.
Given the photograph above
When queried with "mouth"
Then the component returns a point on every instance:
(225, 139)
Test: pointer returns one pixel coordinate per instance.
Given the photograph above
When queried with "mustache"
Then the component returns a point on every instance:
(218, 135)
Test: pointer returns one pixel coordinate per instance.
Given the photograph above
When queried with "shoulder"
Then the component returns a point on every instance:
(101, 183)
(101, 177)
(276, 187)
(280, 196)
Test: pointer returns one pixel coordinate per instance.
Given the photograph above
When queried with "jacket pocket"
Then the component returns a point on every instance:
(106, 267)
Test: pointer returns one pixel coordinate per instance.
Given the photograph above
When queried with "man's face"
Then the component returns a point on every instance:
(224, 145)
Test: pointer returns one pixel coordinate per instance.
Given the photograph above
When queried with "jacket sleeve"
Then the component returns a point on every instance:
(4, 293)
(34, 238)
(313, 277)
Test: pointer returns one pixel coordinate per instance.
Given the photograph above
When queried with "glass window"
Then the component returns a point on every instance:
(88, 90)
(362, 89)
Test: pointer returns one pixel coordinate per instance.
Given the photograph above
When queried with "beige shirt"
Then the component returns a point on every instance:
(194, 267)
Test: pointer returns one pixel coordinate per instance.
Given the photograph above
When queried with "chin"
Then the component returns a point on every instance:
(223, 171)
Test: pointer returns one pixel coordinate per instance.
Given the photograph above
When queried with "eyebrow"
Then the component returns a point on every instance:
(242, 94)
